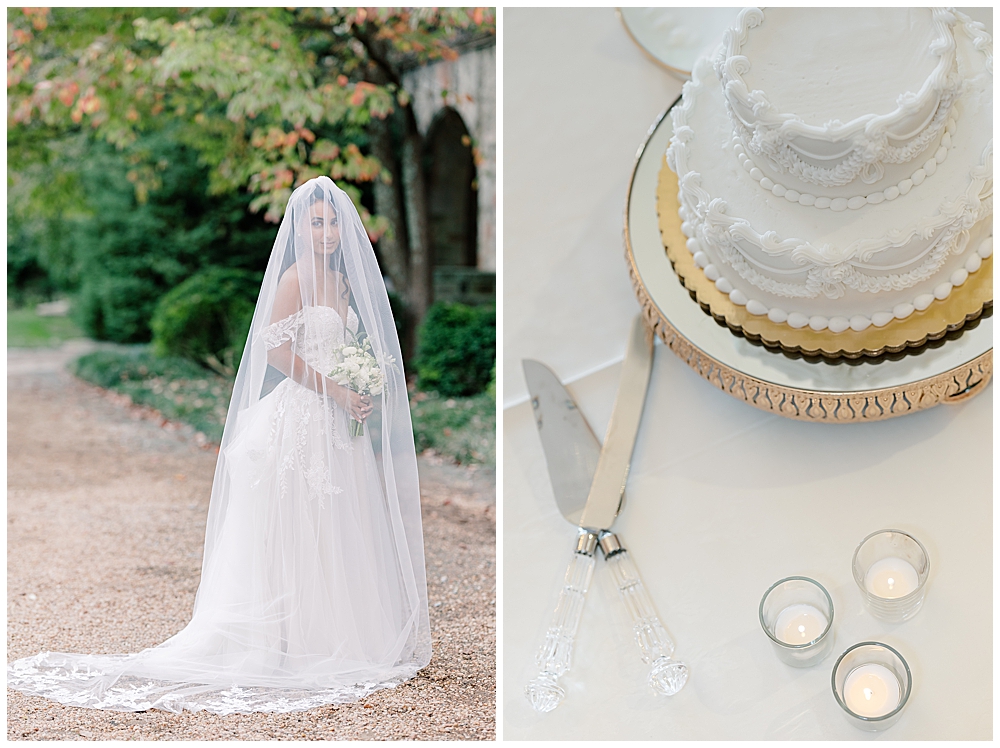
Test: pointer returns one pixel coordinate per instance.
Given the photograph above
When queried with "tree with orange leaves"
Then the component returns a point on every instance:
(266, 96)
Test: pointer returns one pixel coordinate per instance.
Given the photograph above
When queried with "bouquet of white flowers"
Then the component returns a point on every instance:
(359, 371)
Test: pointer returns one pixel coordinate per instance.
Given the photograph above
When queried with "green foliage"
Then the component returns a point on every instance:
(117, 307)
(39, 259)
(402, 317)
(207, 317)
(118, 254)
(27, 280)
(399, 311)
(25, 329)
(261, 99)
(463, 429)
(260, 81)
(491, 390)
(180, 389)
(109, 368)
(456, 349)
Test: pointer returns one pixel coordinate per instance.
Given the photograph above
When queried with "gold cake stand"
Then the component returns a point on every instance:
(918, 369)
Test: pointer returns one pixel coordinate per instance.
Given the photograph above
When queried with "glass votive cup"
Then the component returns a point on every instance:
(796, 613)
(891, 569)
(872, 683)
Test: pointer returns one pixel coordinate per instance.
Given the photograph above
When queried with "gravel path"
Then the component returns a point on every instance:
(106, 509)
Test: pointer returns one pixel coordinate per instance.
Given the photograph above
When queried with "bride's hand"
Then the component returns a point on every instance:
(359, 407)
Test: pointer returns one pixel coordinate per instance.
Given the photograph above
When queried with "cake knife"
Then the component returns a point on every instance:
(573, 456)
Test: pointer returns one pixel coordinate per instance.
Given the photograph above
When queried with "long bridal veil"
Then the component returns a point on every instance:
(313, 586)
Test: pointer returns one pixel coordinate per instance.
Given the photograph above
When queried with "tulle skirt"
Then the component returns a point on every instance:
(305, 599)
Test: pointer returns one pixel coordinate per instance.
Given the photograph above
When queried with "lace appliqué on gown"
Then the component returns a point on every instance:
(77, 683)
(301, 415)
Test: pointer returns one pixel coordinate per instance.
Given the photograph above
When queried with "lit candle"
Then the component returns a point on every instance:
(871, 690)
(890, 578)
(799, 624)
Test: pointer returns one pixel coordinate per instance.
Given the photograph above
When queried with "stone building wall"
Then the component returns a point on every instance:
(467, 85)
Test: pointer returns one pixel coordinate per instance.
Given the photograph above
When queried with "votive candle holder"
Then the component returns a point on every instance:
(796, 613)
(872, 684)
(891, 569)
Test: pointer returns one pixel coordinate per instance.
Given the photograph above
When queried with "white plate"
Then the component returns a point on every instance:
(676, 37)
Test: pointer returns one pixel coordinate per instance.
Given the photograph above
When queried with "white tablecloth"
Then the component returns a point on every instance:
(723, 499)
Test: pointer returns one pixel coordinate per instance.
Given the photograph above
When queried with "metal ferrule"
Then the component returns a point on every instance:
(609, 544)
(586, 543)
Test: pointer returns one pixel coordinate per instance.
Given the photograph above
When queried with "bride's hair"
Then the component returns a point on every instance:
(318, 195)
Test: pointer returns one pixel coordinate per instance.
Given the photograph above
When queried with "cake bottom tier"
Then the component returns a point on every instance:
(940, 317)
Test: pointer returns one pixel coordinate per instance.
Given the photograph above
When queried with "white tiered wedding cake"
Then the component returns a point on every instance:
(835, 166)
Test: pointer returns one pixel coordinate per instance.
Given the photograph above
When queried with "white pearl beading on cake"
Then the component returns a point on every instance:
(857, 322)
(771, 134)
(848, 203)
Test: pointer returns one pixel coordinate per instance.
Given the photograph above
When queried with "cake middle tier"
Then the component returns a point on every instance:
(792, 258)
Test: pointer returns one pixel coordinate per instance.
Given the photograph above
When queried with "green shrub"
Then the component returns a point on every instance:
(463, 429)
(180, 389)
(456, 349)
(27, 281)
(207, 317)
(116, 307)
(109, 369)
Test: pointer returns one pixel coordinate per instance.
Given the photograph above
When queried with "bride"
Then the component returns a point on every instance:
(312, 588)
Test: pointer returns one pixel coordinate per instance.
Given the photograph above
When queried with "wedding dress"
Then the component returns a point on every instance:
(313, 589)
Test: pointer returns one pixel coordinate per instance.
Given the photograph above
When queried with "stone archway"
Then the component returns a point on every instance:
(452, 199)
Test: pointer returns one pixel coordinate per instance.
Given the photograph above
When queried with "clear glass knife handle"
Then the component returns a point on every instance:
(667, 676)
(555, 655)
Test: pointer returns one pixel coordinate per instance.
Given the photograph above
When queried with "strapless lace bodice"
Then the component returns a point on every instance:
(315, 331)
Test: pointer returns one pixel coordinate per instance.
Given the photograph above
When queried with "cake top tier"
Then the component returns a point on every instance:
(831, 95)
(823, 64)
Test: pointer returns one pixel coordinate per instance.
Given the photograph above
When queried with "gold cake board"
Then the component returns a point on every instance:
(964, 304)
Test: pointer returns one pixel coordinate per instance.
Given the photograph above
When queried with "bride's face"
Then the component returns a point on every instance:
(325, 228)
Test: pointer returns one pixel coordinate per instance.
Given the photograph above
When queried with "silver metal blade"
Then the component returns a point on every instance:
(608, 485)
(571, 449)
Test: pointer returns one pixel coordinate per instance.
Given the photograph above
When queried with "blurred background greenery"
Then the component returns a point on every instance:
(150, 156)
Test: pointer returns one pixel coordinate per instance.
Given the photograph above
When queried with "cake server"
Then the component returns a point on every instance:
(579, 468)
(571, 453)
